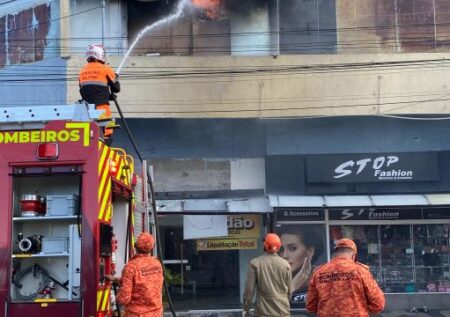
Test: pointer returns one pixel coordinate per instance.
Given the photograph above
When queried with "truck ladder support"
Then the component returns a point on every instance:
(21, 118)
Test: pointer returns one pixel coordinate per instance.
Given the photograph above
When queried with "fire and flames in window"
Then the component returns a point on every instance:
(212, 9)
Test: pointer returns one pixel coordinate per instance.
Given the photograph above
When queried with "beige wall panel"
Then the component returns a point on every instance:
(216, 88)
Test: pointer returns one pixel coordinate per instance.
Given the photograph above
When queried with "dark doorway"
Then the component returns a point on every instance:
(199, 279)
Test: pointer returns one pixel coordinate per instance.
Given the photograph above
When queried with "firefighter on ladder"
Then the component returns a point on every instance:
(98, 83)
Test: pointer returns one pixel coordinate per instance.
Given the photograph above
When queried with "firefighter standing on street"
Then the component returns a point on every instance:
(269, 275)
(344, 287)
(141, 282)
(98, 82)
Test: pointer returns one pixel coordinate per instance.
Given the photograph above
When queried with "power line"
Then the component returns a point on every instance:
(211, 73)
(6, 2)
(409, 103)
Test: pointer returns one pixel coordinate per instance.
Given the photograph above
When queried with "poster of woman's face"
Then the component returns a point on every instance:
(303, 246)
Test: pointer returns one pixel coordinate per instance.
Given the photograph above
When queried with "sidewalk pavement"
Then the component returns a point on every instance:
(237, 313)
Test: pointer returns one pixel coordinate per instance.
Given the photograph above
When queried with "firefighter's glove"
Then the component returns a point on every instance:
(117, 75)
(112, 96)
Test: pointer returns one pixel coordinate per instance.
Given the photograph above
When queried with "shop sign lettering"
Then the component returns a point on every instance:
(226, 244)
(243, 226)
(299, 214)
(361, 168)
(240, 223)
(374, 214)
(381, 168)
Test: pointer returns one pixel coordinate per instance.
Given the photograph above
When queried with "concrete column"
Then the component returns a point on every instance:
(64, 26)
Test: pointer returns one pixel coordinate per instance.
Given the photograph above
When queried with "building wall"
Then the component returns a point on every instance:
(307, 26)
(229, 158)
(390, 26)
(27, 33)
(208, 174)
(86, 26)
(293, 85)
(39, 83)
(256, 138)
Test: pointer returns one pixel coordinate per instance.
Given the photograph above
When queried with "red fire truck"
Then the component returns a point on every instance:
(68, 206)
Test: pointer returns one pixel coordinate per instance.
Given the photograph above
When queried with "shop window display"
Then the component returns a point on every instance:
(432, 258)
(403, 258)
(396, 259)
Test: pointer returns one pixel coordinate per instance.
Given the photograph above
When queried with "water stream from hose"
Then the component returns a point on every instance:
(167, 20)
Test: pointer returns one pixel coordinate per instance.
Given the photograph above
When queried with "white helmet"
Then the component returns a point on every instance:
(96, 51)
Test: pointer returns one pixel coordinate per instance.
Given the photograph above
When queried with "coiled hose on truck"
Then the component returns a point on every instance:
(20, 275)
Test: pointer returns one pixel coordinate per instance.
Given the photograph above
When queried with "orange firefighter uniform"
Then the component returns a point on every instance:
(96, 80)
(344, 288)
(141, 282)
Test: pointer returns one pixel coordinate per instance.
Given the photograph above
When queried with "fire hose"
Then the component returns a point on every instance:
(34, 269)
(45, 280)
(151, 196)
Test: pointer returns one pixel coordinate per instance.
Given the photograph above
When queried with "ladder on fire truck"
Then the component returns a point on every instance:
(28, 118)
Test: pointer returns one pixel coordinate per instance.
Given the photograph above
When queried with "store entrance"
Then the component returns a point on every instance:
(198, 279)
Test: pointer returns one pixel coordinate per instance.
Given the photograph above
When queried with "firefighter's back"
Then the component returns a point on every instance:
(272, 275)
(344, 288)
(93, 79)
(145, 296)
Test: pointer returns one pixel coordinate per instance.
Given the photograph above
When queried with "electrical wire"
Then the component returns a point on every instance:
(310, 31)
(198, 73)
(291, 46)
(6, 2)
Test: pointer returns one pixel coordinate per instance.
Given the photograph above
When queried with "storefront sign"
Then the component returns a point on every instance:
(360, 168)
(243, 226)
(243, 232)
(226, 244)
(300, 214)
(374, 214)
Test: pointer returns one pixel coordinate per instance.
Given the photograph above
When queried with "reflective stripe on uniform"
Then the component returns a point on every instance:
(97, 83)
